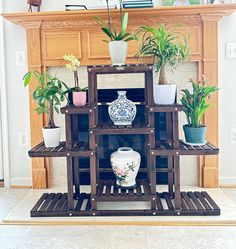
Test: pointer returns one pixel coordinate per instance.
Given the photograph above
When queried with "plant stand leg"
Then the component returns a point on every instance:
(76, 177)
(177, 183)
(170, 175)
(70, 183)
(153, 181)
(93, 180)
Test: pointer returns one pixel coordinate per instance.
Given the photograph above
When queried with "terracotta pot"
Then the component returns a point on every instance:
(79, 98)
(35, 2)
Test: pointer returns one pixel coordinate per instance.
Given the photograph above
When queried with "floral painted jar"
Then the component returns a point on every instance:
(125, 164)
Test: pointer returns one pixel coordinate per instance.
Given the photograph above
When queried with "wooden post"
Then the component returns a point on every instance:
(40, 166)
(209, 164)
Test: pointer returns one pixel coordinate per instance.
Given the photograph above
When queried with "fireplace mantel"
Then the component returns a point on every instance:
(52, 34)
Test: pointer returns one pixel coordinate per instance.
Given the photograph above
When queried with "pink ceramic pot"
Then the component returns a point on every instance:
(79, 98)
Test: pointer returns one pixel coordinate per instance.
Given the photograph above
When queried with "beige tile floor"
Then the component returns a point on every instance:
(113, 237)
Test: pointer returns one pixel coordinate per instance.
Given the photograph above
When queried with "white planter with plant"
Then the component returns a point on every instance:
(168, 48)
(118, 43)
(49, 94)
(79, 94)
(195, 106)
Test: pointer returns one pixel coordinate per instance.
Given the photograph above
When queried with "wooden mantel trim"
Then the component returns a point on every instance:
(220, 9)
(51, 34)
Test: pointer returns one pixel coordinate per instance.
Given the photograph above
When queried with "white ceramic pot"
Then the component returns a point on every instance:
(125, 164)
(51, 136)
(164, 94)
(118, 52)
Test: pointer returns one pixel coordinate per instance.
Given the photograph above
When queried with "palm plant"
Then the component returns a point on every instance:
(112, 32)
(195, 103)
(49, 94)
(166, 48)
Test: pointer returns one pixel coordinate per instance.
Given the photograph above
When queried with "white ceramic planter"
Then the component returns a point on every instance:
(118, 52)
(51, 136)
(164, 94)
(125, 164)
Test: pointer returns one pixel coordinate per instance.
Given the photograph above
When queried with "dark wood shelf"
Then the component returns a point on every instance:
(107, 190)
(110, 129)
(78, 150)
(71, 109)
(165, 149)
(192, 203)
(166, 108)
(137, 68)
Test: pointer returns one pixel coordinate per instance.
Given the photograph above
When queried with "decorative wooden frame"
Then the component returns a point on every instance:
(203, 18)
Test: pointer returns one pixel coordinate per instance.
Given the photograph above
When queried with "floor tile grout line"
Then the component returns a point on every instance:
(17, 202)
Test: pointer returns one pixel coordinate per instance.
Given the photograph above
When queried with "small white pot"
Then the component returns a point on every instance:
(51, 136)
(118, 52)
(164, 94)
(125, 164)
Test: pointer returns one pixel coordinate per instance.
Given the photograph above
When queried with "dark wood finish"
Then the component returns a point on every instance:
(163, 148)
(116, 130)
(56, 206)
(75, 203)
(106, 193)
(166, 108)
(80, 149)
(121, 69)
(71, 109)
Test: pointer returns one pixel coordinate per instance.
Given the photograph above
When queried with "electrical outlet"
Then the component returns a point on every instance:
(23, 139)
(20, 58)
(233, 135)
(230, 50)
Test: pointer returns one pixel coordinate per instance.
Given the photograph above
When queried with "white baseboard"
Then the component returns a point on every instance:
(21, 182)
(227, 181)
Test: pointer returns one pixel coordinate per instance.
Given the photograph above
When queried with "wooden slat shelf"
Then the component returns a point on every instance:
(165, 149)
(111, 129)
(192, 203)
(107, 190)
(78, 150)
(166, 108)
(71, 109)
(137, 68)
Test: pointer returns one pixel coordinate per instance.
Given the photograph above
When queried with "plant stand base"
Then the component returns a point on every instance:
(192, 204)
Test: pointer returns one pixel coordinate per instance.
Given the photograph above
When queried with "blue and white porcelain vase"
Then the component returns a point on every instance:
(122, 111)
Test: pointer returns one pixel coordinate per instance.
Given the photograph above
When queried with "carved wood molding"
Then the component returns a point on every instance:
(52, 34)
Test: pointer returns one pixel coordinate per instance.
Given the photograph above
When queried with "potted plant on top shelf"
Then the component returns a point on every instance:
(49, 94)
(195, 105)
(168, 48)
(79, 94)
(118, 40)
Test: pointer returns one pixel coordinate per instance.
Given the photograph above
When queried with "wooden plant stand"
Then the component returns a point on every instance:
(75, 203)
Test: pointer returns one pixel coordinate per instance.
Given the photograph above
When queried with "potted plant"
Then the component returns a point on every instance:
(79, 94)
(166, 48)
(118, 40)
(49, 94)
(195, 105)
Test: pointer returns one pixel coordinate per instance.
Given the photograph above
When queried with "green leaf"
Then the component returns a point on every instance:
(27, 78)
(124, 23)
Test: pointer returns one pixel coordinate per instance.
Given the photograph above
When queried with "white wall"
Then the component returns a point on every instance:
(18, 106)
(227, 80)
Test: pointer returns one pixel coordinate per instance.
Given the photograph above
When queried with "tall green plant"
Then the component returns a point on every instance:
(196, 102)
(49, 94)
(166, 48)
(111, 31)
